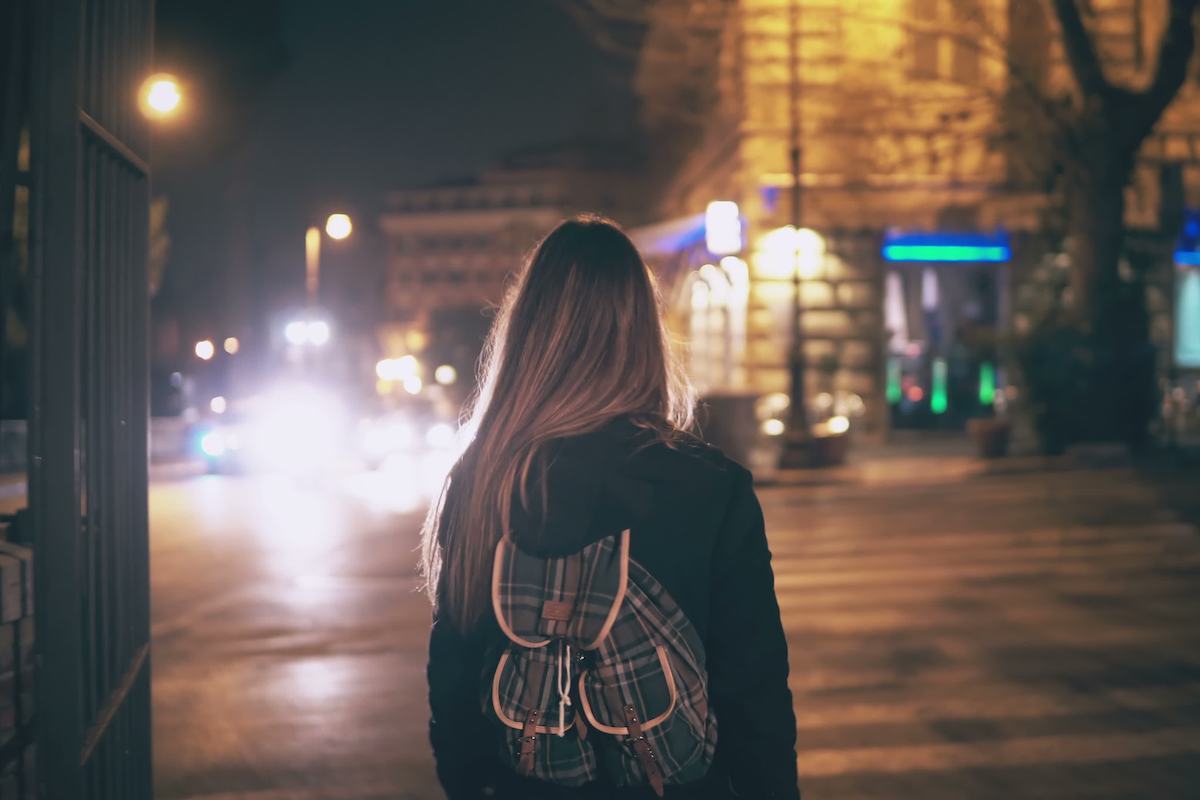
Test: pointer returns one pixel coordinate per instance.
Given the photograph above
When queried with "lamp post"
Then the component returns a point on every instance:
(797, 444)
(337, 227)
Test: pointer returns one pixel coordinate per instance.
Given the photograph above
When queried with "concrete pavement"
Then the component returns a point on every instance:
(953, 635)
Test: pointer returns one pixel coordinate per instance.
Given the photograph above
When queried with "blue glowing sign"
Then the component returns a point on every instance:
(947, 247)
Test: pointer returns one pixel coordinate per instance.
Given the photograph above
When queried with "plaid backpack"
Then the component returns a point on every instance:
(602, 674)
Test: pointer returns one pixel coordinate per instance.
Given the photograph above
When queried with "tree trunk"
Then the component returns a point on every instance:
(1116, 367)
(1095, 230)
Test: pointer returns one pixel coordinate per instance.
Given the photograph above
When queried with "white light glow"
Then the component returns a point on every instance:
(296, 332)
(205, 350)
(785, 252)
(837, 425)
(232, 345)
(700, 296)
(413, 384)
(338, 226)
(160, 96)
(930, 296)
(385, 437)
(318, 332)
(299, 428)
(408, 366)
(213, 444)
(772, 405)
(723, 228)
(440, 435)
(218, 405)
(445, 374)
(738, 273)
(719, 288)
(773, 427)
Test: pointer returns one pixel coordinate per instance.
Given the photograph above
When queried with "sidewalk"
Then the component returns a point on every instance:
(13, 487)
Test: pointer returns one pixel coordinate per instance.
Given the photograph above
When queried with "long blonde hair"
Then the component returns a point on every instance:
(578, 341)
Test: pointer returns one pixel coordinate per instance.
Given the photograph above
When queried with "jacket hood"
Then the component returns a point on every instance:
(594, 485)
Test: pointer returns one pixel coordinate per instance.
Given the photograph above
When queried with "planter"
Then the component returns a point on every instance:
(991, 436)
(830, 449)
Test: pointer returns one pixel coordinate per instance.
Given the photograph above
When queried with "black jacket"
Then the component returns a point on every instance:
(697, 527)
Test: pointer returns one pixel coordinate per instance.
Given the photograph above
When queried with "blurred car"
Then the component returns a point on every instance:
(412, 430)
(295, 428)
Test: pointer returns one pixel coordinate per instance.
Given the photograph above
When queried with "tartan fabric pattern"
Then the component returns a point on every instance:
(588, 582)
(652, 659)
(628, 671)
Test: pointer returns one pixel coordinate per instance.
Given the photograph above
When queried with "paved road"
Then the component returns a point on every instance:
(289, 642)
(1021, 636)
(1026, 636)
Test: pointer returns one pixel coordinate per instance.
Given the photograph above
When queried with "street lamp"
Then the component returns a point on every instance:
(797, 445)
(338, 227)
(302, 332)
(160, 96)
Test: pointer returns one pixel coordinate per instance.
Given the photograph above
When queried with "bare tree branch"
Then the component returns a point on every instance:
(1081, 52)
(1174, 54)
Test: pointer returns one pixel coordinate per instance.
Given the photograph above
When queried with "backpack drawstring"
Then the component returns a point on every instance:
(563, 680)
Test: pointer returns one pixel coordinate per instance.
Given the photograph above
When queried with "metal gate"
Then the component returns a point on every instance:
(88, 420)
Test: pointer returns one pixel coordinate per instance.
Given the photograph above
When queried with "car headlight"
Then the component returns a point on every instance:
(212, 444)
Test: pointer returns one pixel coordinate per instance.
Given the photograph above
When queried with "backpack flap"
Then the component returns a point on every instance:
(575, 597)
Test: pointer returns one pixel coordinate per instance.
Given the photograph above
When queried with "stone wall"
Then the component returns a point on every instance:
(17, 749)
(842, 321)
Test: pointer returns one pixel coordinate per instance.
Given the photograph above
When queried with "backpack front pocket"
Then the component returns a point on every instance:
(646, 683)
(521, 686)
(538, 741)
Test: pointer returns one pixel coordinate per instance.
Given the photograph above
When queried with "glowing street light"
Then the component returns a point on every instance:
(318, 332)
(296, 332)
(232, 345)
(338, 226)
(205, 350)
(300, 332)
(445, 374)
(160, 96)
(723, 228)
(773, 427)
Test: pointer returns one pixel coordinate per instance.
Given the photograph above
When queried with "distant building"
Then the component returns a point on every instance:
(919, 176)
(451, 247)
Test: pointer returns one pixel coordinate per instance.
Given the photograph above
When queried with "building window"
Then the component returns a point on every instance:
(940, 48)
(965, 67)
(926, 42)
(1187, 318)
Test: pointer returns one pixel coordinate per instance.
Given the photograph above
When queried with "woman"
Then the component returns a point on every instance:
(579, 433)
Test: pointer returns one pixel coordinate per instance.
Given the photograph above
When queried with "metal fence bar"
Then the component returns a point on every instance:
(55, 418)
(88, 477)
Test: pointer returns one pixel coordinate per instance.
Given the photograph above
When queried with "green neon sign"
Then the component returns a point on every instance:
(938, 399)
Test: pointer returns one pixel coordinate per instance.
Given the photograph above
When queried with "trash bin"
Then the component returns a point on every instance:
(727, 420)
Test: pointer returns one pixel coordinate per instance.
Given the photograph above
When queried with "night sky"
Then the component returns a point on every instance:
(299, 107)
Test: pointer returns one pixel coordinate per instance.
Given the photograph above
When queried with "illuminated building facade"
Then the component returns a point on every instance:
(920, 176)
(451, 247)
